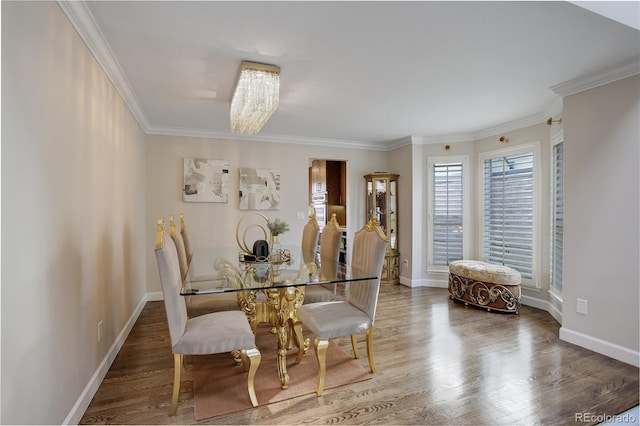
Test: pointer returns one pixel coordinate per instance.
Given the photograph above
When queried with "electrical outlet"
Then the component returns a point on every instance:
(300, 215)
(100, 330)
(405, 262)
(582, 306)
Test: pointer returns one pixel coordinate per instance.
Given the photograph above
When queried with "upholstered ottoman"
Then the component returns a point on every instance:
(489, 286)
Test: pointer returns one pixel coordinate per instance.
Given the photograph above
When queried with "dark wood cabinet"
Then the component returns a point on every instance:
(319, 176)
(328, 177)
(334, 183)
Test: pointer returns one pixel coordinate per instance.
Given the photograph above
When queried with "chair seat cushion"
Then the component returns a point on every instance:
(328, 320)
(486, 272)
(214, 333)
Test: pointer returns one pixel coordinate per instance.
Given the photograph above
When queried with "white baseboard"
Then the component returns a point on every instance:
(154, 297)
(600, 346)
(424, 282)
(81, 405)
(542, 304)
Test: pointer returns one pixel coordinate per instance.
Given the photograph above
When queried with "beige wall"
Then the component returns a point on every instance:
(215, 223)
(401, 162)
(602, 210)
(73, 221)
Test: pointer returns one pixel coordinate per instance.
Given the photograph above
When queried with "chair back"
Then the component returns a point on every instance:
(185, 238)
(367, 257)
(310, 240)
(174, 304)
(179, 243)
(330, 249)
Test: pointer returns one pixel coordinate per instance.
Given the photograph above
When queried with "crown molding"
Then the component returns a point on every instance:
(510, 126)
(294, 140)
(83, 22)
(453, 138)
(609, 75)
(408, 140)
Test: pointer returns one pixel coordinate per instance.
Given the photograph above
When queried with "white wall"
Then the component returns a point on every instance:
(602, 216)
(212, 224)
(73, 221)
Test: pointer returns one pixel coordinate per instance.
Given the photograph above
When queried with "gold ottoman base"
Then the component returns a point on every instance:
(492, 296)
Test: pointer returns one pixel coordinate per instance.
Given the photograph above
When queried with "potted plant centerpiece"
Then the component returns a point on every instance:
(276, 227)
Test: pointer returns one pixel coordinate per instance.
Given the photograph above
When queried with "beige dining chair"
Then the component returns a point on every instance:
(309, 245)
(180, 249)
(206, 303)
(185, 238)
(309, 248)
(356, 314)
(213, 333)
(329, 256)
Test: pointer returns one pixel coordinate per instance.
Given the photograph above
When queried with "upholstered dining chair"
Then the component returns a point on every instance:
(206, 303)
(356, 314)
(329, 256)
(213, 333)
(185, 238)
(309, 245)
(179, 243)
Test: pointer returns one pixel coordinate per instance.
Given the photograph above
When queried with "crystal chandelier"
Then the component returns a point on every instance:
(256, 96)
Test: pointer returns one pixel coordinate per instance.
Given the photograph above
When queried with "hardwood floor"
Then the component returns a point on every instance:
(438, 363)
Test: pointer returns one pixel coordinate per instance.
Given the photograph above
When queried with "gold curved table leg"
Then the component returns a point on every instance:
(279, 311)
(284, 305)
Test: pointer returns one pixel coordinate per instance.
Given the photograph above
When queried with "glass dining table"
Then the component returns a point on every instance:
(269, 289)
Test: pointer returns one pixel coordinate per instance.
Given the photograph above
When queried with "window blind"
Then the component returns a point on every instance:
(447, 213)
(508, 212)
(558, 217)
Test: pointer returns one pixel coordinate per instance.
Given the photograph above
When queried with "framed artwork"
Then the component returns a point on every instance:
(259, 189)
(205, 181)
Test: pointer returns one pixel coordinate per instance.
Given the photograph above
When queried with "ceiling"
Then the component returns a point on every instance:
(352, 73)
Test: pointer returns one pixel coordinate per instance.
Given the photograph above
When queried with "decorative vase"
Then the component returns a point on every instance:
(274, 244)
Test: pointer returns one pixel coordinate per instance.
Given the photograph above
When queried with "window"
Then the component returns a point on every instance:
(557, 217)
(446, 208)
(508, 209)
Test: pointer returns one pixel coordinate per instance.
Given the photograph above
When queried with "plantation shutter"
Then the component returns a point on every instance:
(558, 217)
(447, 213)
(508, 212)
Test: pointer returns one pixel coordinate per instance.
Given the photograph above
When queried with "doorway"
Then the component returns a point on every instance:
(328, 190)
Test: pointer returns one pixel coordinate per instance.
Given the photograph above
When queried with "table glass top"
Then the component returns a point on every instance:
(219, 270)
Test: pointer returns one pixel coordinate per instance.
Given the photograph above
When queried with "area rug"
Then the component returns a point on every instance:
(220, 385)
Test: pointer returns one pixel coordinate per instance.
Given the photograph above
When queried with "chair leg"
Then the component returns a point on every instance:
(243, 358)
(354, 345)
(372, 364)
(177, 370)
(320, 347)
(254, 361)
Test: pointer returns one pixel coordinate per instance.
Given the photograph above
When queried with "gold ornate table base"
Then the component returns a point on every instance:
(279, 310)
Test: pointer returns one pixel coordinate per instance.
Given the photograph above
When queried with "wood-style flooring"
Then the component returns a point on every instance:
(438, 363)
